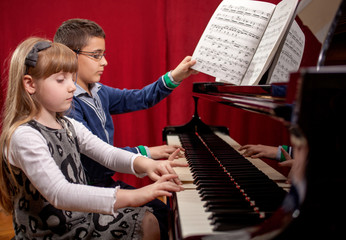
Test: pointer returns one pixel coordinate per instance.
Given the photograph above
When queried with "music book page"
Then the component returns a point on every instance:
(241, 38)
(291, 55)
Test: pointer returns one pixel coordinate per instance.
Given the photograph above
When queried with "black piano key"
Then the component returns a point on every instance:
(198, 180)
(224, 185)
(227, 203)
(212, 196)
(219, 190)
(235, 221)
(212, 177)
(237, 206)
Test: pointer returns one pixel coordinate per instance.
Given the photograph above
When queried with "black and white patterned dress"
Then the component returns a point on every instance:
(35, 218)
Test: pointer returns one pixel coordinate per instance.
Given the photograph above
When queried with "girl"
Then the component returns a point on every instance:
(43, 183)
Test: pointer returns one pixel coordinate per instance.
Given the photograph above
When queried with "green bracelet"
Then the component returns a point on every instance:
(142, 150)
(168, 81)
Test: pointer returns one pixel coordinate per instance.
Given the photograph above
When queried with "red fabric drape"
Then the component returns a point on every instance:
(144, 39)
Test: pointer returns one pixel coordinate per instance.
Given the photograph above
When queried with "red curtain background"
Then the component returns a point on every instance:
(144, 39)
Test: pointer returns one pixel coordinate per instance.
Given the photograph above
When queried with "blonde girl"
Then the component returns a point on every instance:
(43, 183)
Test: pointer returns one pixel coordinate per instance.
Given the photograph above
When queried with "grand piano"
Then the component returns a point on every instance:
(225, 191)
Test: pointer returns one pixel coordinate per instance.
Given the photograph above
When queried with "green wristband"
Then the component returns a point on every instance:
(168, 82)
(142, 150)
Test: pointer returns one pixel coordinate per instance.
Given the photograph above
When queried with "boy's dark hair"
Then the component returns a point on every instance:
(76, 32)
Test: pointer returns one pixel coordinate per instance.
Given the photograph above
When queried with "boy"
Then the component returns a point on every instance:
(87, 39)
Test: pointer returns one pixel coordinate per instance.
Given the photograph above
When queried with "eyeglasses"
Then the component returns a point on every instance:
(96, 55)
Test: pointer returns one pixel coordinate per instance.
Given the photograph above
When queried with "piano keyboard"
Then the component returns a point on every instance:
(223, 190)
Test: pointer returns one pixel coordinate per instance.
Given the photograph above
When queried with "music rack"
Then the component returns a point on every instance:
(270, 100)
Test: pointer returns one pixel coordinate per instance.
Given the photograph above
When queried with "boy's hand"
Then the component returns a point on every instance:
(164, 151)
(258, 151)
(183, 70)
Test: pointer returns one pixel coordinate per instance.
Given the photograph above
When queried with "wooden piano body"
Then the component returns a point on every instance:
(192, 217)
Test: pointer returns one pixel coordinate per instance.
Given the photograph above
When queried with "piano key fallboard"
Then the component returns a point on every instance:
(223, 190)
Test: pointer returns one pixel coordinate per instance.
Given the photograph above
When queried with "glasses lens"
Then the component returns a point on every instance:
(100, 56)
(95, 55)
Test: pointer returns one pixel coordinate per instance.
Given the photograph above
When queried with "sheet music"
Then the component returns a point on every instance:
(290, 56)
(231, 37)
(270, 42)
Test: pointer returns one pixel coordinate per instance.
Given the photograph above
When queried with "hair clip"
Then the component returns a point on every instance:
(32, 57)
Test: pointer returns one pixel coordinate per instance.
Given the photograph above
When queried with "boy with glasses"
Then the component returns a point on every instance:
(87, 40)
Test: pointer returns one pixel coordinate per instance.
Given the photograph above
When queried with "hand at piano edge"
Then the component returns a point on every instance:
(166, 181)
(183, 70)
(156, 169)
(164, 186)
(165, 152)
(258, 151)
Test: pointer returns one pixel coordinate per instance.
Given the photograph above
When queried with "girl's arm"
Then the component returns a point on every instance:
(29, 152)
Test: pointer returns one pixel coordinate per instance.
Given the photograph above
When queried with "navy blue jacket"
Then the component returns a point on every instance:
(95, 113)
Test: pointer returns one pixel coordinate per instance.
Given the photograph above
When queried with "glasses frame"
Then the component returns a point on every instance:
(98, 55)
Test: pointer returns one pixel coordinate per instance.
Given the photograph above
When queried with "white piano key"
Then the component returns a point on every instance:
(173, 140)
(184, 173)
(194, 219)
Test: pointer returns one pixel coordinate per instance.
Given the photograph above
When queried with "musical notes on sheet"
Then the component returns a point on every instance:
(270, 42)
(231, 37)
(240, 37)
(290, 56)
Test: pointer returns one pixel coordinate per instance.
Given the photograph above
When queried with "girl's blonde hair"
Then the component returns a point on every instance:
(20, 107)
